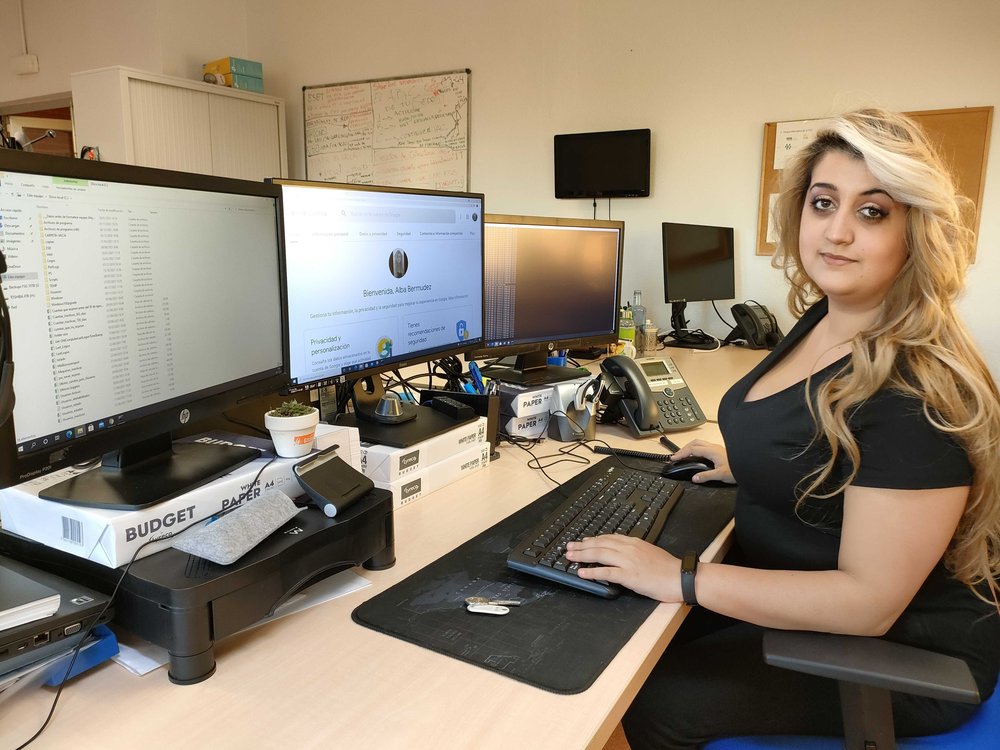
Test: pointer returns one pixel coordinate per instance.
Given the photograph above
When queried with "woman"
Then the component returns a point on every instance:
(865, 448)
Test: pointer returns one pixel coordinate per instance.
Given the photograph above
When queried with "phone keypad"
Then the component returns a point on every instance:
(679, 409)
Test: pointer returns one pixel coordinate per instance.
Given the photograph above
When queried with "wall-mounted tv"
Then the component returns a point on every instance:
(609, 164)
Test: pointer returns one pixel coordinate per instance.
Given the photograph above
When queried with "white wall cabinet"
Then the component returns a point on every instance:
(161, 121)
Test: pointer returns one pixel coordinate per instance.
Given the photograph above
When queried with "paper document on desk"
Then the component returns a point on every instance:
(141, 657)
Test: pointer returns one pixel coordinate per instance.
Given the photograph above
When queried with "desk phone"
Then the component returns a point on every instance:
(649, 394)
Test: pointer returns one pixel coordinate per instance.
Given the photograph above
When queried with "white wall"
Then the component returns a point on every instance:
(704, 75)
(173, 37)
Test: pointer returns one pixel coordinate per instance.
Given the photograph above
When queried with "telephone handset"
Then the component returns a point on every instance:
(755, 325)
(649, 394)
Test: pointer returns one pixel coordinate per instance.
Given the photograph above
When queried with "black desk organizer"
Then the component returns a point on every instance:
(185, 603)
(559, 639)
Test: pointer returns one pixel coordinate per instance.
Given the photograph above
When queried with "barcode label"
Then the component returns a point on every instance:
(72, 531)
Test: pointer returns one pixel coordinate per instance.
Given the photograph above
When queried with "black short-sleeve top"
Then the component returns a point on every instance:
(772, 447)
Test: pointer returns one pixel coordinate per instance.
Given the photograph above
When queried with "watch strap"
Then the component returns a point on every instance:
(689, 566)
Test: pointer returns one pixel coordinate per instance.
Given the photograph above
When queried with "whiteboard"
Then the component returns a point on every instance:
(403, 132)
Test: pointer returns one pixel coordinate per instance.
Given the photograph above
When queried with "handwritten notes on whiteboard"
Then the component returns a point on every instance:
(407, 132)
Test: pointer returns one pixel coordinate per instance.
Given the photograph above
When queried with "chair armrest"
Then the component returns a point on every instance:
(872, 661)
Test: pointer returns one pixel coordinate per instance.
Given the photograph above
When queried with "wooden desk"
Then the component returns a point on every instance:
(317, 680)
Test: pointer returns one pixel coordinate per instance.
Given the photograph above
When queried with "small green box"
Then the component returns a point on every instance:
(246, 83)
(236, 81)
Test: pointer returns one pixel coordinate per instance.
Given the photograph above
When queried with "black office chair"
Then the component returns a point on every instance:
(868, 670)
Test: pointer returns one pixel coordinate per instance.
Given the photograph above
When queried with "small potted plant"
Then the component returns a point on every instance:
(293, 427)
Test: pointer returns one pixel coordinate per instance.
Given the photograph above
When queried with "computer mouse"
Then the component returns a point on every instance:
(686, 468)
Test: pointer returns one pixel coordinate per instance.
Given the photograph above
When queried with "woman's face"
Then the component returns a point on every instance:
(852, 237)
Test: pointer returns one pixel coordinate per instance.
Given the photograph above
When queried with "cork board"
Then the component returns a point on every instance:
(963, 136)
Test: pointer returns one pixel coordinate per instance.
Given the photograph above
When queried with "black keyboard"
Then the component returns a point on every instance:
(618, 500)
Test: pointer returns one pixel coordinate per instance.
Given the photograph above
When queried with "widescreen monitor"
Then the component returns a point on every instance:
(140, 301)
(698, 266)
(551, 284)
(379, 278)
(608, 164)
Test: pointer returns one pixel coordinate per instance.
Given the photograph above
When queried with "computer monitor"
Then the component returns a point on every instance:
(551, 284)
(608, 164)
(380, 278)
(140, 301)
(698, 265)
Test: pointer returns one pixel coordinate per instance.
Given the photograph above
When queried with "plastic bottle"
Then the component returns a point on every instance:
(638, 309)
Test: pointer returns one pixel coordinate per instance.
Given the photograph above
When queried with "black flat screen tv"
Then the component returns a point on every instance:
(609, 164)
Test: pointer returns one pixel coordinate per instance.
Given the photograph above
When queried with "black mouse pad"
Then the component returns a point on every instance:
(559, 639)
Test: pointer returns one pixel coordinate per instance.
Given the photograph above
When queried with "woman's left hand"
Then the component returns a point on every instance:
(630, 562)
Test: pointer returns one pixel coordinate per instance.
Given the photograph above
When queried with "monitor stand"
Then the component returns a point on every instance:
(532, 368)
(185, 604)
(681, 337)
(688, 340)
(398, 424)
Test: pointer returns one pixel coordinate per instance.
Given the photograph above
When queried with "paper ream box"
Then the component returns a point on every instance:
(386, 463)
(111, 537)
(348, 440)
(523, 401)
(431, 478)
(531, 427)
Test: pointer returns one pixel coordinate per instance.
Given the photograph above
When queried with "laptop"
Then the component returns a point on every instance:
(80, 610)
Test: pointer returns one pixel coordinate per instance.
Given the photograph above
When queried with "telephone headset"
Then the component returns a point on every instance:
(588, 393)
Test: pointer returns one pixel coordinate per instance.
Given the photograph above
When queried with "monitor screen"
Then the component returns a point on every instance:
(698, 263)
(140, 300)
(550, 284)
(698, 266)
(611, 164)
(379, 278)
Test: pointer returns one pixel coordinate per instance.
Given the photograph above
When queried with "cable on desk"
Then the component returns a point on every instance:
(563, 455)
(114, 592)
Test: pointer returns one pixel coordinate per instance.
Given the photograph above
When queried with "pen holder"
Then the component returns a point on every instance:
(646, 341)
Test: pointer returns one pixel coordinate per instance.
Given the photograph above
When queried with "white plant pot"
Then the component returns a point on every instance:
(292, 436)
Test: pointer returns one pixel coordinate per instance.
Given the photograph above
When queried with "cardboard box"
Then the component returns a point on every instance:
(236, 81)
(111, 537)
(236, 65)
(431, 478)
(524, 400)
(385, 463)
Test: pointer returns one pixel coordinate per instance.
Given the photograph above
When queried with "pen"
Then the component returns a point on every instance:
(477, 378)
(669, 443)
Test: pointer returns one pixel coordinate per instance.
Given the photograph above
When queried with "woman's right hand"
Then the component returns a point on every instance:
(713, 452)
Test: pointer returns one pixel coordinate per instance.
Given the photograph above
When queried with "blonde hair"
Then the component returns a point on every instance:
(917, 345)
